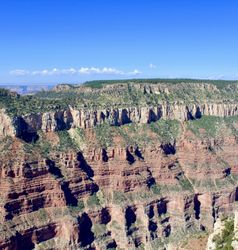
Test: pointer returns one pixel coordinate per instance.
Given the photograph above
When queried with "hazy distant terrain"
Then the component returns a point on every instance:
(27, 88)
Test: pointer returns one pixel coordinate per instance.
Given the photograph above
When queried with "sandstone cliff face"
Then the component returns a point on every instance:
(132, 197)
(6, 126)
(231, 229)
(84, 118)
(89, 118)
(235, 238)
(118, 195)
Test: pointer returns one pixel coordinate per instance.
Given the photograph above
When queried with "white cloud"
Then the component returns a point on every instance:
(134, 72)
(19, 72)
(152, 66)
(73, 71)
(105, 70)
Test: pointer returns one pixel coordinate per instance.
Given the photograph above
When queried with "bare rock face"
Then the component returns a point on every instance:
(235, 239)
(85, 118)
(68, 183)
(89, 118)
(118, 197)
(218, 227)
(6, 126)
(224, 233)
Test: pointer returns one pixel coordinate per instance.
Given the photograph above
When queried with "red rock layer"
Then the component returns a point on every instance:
(131, 196)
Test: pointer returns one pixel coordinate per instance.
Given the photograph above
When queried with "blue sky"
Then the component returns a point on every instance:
(51, 41)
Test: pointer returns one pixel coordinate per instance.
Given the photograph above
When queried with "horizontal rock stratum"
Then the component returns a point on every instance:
(117, 165)
(84, 118)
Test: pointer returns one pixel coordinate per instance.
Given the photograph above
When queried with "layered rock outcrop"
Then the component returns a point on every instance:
(84, 118)
(123, 187)
(115, 197)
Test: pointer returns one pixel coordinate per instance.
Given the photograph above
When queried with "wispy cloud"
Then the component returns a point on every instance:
(19, 72)
(152, 66)
(135, 72)
(74, 71)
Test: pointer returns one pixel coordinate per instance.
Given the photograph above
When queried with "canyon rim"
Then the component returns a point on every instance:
(134, 164)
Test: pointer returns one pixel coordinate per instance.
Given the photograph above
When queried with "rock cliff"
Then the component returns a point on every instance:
(136, 177)
(21, 126)
(224, 235)
(124, 197)
(6, 125)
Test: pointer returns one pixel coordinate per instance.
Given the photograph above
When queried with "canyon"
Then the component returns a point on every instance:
(72, 118)
(135, 174)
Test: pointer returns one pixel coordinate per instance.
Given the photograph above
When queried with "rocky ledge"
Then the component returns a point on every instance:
(131, 177)
(28, 125)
